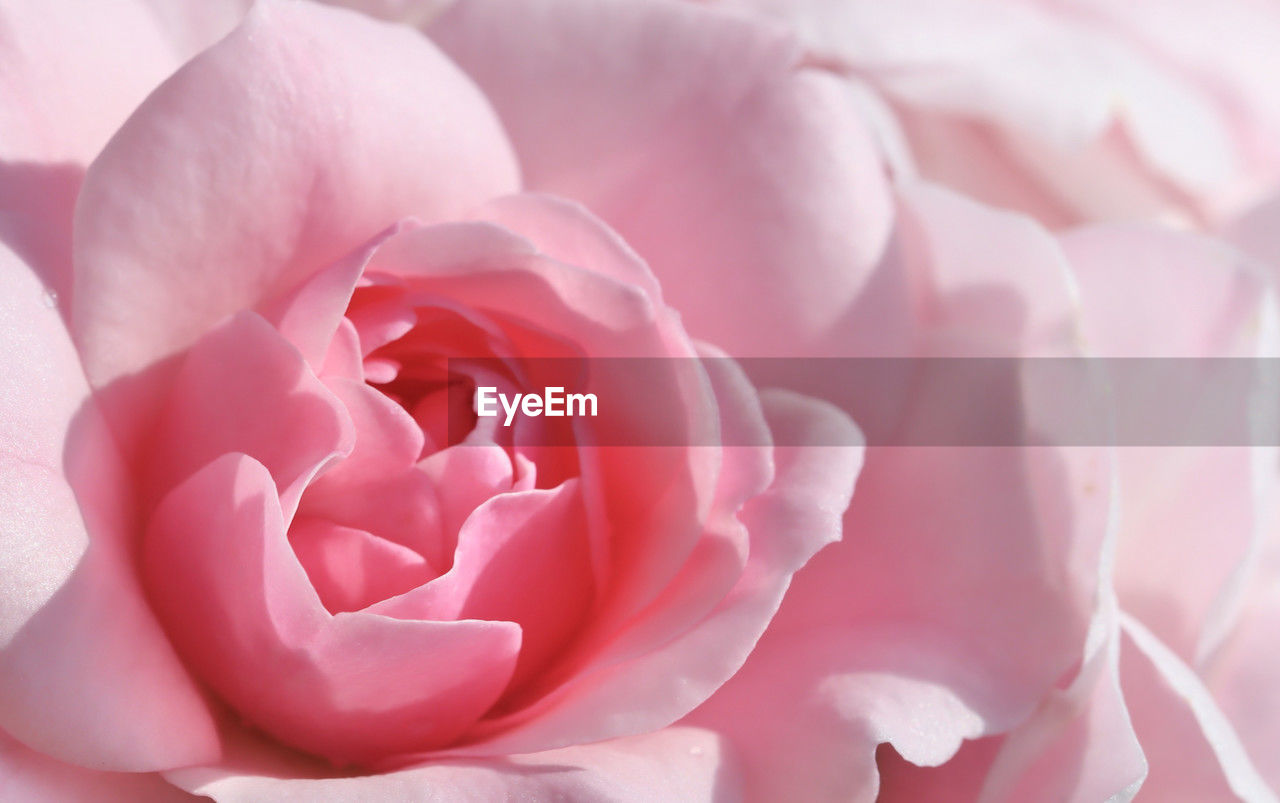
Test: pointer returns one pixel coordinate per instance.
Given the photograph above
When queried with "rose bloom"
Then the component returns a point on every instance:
(1069, 110)
(1175, 698)
(242, 557)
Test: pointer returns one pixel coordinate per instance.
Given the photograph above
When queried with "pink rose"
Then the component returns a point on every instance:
(968, 578)
(1175, 695)
(248, 555)
(1071, 111)
(256, 543)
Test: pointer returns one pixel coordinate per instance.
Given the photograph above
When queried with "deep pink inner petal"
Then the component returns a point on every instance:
(352, 569)
(354, 687)
(521, 557)
(243, 388)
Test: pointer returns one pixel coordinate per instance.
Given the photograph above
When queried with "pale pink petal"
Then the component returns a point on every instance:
(964, 585)
(401, 507)
(1189, 526)
(974, 297)
(973, 157)
(808, 709)
(244, 388)
(943, 289)
(1147, 292)
(37, 204)
(28, 775)
(1079, 746)
(1185, 39)
(566, 231)
(961, 778)
(277, 152)
(985, 282)
(1242, 677)
(1120, 134)
(671, 764)
(353, 687)
(309, 314)
(1194, 521)
(1193, 751)
(487, 268)
(71, 73)
(43, 387)
(1190, 518)
(86, 674)
(748, 464)
(410, 12)
(1257, 233)
(701, 139)
(192, 27)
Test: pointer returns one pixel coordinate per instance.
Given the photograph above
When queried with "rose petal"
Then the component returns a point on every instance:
(1079, 746)
(276, 153)
(986, 282)
(86, 674)
(486, 267)
(670, 764)
(1242, 675)
(700, 139)
(382, 318)
(387, 439)
(410, 12)
(915, 612)
(72, 74)
(243, 388)
(37, 204)
(1121, 135)
(1258, 234)
(567, 232)
(550, 309)
(1191, 518)
(351, 569)
(807, 710)
(523, 558)
(1193, 751)
(350, 687)
(721, 554)
(799, 514)
(464, 477)
(28, 775)
(962, 776)
(70, 77)
(343, 359)
(1205, 287)
(308, 315)
(379, 488)
(1237, 79)
(973, 157)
